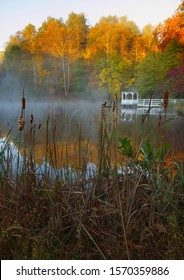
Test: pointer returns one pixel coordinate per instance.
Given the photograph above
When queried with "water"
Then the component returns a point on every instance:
(58, 112)
(70, 120)
(12, 162)
(138, 122)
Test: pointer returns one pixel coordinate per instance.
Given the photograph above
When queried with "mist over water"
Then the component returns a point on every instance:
(67, 116)
(83, 110)
(60, 113)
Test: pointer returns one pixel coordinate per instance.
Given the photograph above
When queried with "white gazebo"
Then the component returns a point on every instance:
(129, 98)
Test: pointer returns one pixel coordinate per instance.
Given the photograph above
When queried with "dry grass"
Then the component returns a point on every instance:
(134, 214)
(119, 217)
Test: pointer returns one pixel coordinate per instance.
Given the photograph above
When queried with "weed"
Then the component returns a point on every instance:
(126, 204)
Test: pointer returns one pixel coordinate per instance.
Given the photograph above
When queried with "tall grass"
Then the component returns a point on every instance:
(130, 206)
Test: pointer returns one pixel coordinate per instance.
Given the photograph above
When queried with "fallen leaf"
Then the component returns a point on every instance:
(160, 228)
(134, 246)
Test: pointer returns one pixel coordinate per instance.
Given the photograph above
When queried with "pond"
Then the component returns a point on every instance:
(77, 123)
(138, 122)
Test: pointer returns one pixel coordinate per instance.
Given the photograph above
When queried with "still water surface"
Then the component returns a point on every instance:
(71, 119)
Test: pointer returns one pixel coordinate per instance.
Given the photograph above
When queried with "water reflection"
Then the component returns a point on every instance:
(141, 122)
(13, 163)
(10, 160)
(77, 124)
(130, 114)
(71, 120)
(66, 116)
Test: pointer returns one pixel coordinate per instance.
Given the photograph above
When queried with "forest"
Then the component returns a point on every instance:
(72, 58)
(80, 182)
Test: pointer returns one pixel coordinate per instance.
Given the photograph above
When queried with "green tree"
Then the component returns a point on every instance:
(152, 72)
(115, 75)
(14, 62)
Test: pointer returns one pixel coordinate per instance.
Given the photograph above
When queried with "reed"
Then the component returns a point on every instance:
(107, 137)
(128, 208)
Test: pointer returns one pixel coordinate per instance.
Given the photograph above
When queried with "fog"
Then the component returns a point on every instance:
(60, 112)
(67, 114)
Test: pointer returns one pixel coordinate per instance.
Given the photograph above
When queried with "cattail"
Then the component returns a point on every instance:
(103, 108)
(159, 120)
(113, 106)
(166, 98)
(23, 101)
(31, 119)
(21, 123)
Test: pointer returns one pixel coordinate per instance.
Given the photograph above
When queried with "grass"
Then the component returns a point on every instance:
(137, 213)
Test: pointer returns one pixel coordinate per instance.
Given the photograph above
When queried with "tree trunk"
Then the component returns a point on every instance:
(64, 76)
(34, 70)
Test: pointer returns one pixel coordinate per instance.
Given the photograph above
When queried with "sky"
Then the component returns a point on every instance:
(16, 14)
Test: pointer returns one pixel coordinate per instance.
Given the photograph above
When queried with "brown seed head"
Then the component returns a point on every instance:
(166, 98)
(21, 123)
(23, 103)
(31, 119)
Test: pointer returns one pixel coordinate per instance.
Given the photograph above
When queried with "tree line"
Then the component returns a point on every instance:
(67, 58)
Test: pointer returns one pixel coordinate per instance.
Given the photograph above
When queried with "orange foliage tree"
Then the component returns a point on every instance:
(171, 29)
(62, 57)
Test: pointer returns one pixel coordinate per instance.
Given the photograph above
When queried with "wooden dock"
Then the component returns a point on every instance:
(149, 103)
(146, 103)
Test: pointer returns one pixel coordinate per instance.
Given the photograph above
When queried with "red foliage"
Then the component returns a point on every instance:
(176, 76)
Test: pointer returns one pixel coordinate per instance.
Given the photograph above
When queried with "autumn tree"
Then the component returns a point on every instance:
(53, 42)
(77, 30)
(29, 35)
(176, 78)
(103, 39)
(171, 29)
(170, 35)
(65, 42)
(109, 51)
(62, 57)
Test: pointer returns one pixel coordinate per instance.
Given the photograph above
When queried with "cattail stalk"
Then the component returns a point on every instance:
(165, 105)
(31, 119)
(21, 123)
